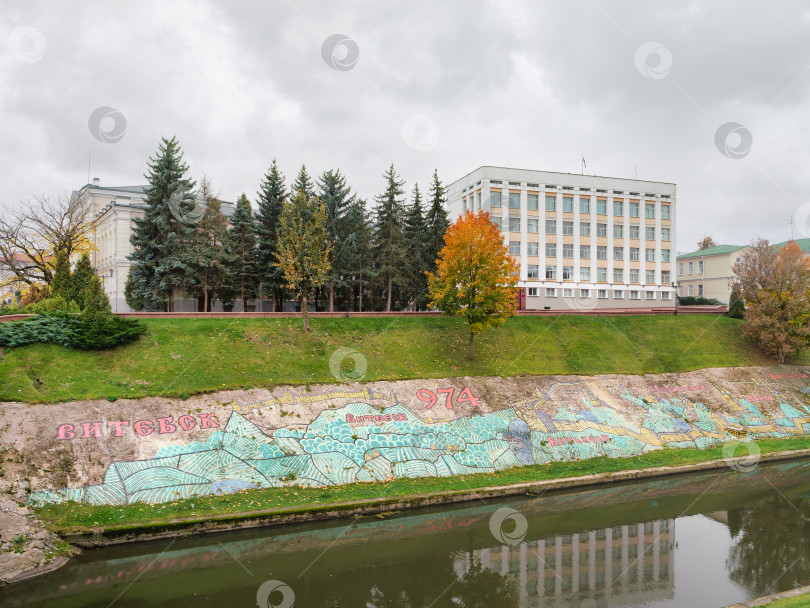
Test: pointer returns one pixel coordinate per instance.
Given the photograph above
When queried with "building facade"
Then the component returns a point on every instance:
(707, 273)
(583, 241)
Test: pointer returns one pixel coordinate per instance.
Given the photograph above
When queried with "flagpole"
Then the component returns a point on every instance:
(582, 163)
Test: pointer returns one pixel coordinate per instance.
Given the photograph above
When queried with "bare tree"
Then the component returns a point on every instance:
(31, 235)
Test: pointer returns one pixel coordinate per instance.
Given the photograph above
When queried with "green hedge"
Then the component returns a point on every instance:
(71, 332)
(696, 301)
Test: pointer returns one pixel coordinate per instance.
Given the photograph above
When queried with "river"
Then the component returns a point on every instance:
(699, 540)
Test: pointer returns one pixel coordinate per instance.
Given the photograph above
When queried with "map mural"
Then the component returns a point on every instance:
(361, 442)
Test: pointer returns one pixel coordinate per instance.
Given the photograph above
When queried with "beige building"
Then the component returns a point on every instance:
(707, 273)
(582, 241)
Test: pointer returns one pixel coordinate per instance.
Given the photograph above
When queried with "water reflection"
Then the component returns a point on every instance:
(742, 536)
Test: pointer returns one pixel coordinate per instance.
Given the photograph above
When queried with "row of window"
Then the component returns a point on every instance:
(689, 291)
(690, 266)
(533, 249)
(533, 224)
(533, 203)
(602, 294)
(533, 272)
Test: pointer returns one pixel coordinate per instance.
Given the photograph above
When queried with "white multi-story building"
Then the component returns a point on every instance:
(583, 241)
(112, 211)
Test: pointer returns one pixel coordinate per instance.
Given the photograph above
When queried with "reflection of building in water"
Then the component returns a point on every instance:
(630, 564)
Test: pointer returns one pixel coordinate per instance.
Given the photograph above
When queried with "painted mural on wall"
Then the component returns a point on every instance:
(419, 435)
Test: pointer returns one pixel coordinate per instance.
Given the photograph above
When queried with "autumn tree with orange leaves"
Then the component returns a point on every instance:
(775, 285)
(476, 278)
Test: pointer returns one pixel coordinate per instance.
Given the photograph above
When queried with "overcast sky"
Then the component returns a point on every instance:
(452, 86)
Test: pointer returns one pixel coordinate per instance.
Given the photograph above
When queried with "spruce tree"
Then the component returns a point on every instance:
(736, 304)
(243, 272)
(207, 255)
(389, 239)
(159, 263)
(62, 282)
(81, 279)
(357, 255)
(303, 183)
(417, 251)
(336, 197)
(96, 305)
(272, 193)
(437, 220)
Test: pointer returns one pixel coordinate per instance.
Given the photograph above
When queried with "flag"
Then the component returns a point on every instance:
(584, 164)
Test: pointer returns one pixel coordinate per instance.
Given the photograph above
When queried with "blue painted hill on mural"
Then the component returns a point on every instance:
(363, 443)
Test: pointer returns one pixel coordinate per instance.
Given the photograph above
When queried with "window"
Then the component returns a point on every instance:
(568, 273)
(649, 254)
(634, 254)
(551, 202)
(601, 230)
(514, 247)
(666, 295)
(634, 209)
(551, 226)
(650, 278)
(532, 249)
(618, 231)
(700, 266)
(585, 274)
(601, 206)
(618, 208)
(665, 255)
(601, 294)
(532, 291)
(494, 199)
(649, 210)
(665, 277)
(568, 293)
(649, 295)
(680, 290)
(478, 200)
(514, 224)
(551, 292)
(680, 265)
(618, 294)
(584, 205)
(664, 212)
(690, 290)
(585, 229)
(634, 275)
(568, 250)
(601, 275)
(601, 252)
(700, 290)
(551, 250)
(664, 234)
(514, 200)
(568, 204)
(584, 293)
(532, 201)
(531, 225)
(649, 233)
(551, 272)
(532, 271)
(568, 228)
(634, 232)
(585, 252)
(618, 275)
(618, 253)
(691, 268)
(634, 295)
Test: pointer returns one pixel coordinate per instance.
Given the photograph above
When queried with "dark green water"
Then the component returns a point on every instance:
(689, 541)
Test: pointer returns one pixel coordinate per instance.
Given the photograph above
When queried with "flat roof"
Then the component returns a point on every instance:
(577, 175)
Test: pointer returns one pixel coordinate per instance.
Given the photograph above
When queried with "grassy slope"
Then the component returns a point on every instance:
(73, 517)
(181, 357)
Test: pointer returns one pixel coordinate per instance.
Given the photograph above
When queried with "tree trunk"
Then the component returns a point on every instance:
(388, 296)
(471, 352)
(305, 312)
(273, 300)
(170, 303)
(331, 297)
(360, 304)
(205, 299)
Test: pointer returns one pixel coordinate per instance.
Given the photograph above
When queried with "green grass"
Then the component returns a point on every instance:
(800, 601)
(189, 356)
(76, 517)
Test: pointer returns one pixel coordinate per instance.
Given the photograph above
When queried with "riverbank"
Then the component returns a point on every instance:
(795, 598)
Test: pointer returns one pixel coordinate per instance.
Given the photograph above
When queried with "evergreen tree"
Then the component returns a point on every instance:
(159, 265)
(389, 239)
(303, 182)
(272, 193)
(357, 250)
(303, 247)
(736, 305)
(81, 279)
(437, 220)
(336, 197)
(243, 273)
(417, 250)
(62, 282)
(206, 251)
(96, 305)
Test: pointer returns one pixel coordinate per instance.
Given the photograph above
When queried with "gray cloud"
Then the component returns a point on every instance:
(510, 83)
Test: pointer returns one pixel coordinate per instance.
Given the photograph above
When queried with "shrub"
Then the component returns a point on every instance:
(35, 293)
(54, 307)
(736, 305)
(106, 332)
(96, 302)
(56, 330)
(697, 301)
(72, 332)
